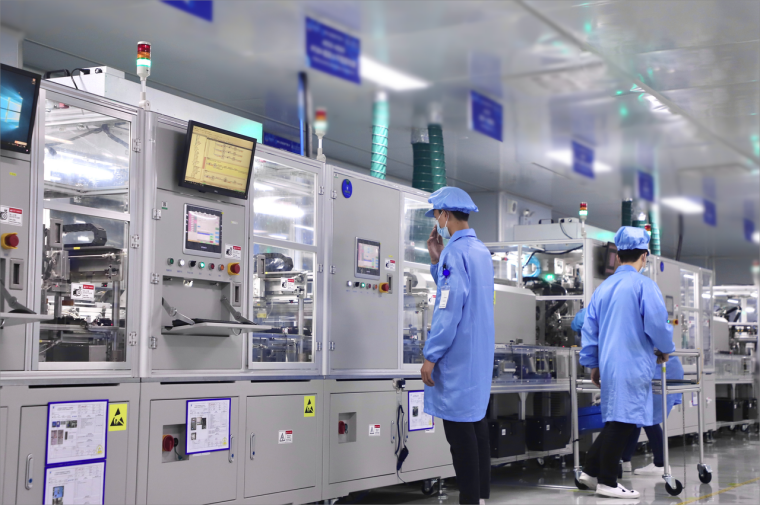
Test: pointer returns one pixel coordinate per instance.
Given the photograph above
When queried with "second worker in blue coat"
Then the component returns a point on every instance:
(626, 320)
(459, 350)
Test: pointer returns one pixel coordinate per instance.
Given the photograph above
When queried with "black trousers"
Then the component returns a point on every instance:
(471, 452)
(604, 456)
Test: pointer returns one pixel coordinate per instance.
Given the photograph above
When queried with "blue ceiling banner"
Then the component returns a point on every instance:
(583, 160)
(203, 9)
(710, 216)
(272, 140)
(749, 229)
(332, 52)
(646, 186)
(486, 116)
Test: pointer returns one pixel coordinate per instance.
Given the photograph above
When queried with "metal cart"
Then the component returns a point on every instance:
(672, 485)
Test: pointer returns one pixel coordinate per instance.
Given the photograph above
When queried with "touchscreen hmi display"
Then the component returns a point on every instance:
(367, 258)
(217, 161)
(18, 103)
(203, 231)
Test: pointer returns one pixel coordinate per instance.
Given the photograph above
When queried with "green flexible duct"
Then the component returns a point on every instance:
(379, 136)
(429, 161)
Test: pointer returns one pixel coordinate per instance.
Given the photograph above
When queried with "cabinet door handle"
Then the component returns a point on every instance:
(231, 457)
(253, 445)
(29, 471)
(393, 434)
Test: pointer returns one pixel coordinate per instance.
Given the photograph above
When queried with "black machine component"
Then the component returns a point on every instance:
(277, 262)
(749, 408)
(507, 436)
(729, 410)
(99, 238)
(549, 427)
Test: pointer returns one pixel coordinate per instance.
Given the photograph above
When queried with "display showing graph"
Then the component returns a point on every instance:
(218, 160)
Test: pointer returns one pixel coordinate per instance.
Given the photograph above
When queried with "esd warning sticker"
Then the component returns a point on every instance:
(117, 416)
(85, 292)
(374, 430)
(285, 437)
(309, 406)
(233, 251)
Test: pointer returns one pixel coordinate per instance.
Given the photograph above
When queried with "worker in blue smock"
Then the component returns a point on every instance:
(460, 345)
(674, 371)
(577, 325)
(626, 321)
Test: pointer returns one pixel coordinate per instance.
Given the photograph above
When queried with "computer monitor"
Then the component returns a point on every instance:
(19, 90)
(610, 259)
(217, 161)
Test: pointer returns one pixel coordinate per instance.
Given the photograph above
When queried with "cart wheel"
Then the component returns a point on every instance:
(540, 462)
(674, 491)
(582, 487)
(428, 487)
(705, 476)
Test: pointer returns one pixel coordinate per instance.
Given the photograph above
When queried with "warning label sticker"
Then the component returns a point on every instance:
(117, 416)
(374, 430)
(11, 216)
(285, 437)
(309, 406)
(289, 284)
(390, 265)
(85, 292)
(233, 251)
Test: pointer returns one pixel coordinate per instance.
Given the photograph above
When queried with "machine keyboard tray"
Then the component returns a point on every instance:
(215, 329)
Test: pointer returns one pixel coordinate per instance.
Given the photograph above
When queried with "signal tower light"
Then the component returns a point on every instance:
(143, 70)
(583, 214)
(320, 129)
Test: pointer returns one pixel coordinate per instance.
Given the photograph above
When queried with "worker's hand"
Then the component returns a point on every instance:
(595, 377)
(427, 373)
(435, 246)
(662, 358)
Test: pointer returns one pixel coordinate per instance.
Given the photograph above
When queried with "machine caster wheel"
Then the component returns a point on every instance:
(428, 487)
(745, 428)
(582, 487)
(541, 462)
(705, 477)
(674, 491)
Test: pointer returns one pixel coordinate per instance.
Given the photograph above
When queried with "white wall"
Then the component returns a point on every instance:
(10, 47)
(494, 222)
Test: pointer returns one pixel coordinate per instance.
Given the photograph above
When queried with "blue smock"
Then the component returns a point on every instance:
(625, 320)
(674, 371)
(577, 324)
(461, 337)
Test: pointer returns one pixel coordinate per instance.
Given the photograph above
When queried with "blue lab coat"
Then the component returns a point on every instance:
(674, 371)
(461, 338)
(625, 320)
(577, 325)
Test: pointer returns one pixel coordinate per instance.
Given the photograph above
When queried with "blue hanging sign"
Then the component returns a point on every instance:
(646, 186)
(203, 9)
(583, 160)
(710, 216)
(333, 52)
(486, 116)
(272, 140)
(749, 229)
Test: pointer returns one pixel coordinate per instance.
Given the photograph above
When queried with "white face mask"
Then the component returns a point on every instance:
(443, 231)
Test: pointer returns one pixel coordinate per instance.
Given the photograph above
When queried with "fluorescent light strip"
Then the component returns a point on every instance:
(388, 77)
(684, 205)
(733, 300)
(565, 156)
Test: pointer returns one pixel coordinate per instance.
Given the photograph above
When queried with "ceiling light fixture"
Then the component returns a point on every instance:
(565, 156)
(732, 300)
(388, 77)
(684, 205)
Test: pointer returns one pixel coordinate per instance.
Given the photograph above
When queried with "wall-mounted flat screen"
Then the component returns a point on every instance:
(217, 161)
(19, 90)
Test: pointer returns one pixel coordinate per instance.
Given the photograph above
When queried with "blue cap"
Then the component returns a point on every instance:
(449, 198)
(628, 237)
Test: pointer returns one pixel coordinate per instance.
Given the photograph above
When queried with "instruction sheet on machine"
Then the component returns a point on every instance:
(76, 431)
(418, 419)
(75, 484)
(208, 425)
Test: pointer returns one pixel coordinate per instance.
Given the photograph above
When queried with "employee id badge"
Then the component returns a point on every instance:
(444, 297)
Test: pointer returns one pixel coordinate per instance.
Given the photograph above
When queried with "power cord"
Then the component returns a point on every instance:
(563, 231)
(401, 451)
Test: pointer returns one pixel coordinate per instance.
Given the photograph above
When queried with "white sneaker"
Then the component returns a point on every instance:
(627, 466)
(617, 492)
(588, 481)
(650, 469)
(482, 502)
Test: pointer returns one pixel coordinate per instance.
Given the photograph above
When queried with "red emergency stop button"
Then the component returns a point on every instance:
(233, 268)
(385, 287)
(9, 241)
